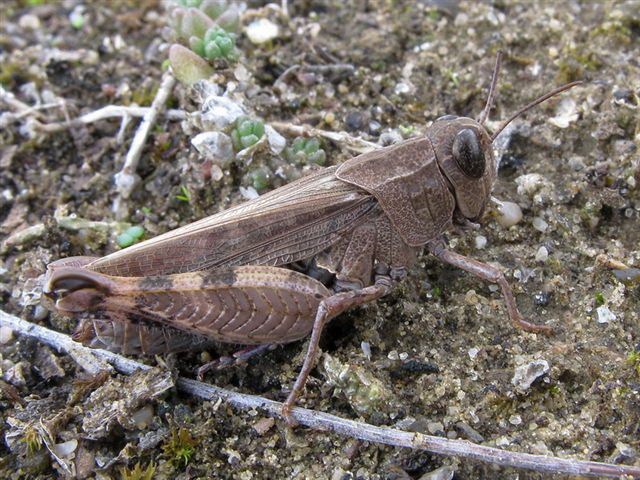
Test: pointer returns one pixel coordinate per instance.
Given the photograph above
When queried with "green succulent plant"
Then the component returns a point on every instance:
(260, 178)
(208, 28)
(306, 151)
(216, 43)
(247, 132)
(130, 236)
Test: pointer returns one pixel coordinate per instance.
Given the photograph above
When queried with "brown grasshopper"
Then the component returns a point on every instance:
(278, 268)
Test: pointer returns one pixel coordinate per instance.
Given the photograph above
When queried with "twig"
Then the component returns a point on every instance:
(352, 143)
(127, 179)
(63, 343)
(324, 421)
(110, 111)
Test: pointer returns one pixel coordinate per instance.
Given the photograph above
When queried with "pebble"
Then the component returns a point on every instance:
(218, 112)
(539, 224)
(480, 242)
(402, 88)
(509, 214)
(623, 454)
(248, 193)
(366, 349)
(215, 146)
(263, 425)
(529, 184)
(542, 254)
(354, 121)
(39, 313)
(15, 375)
(515, 420)
(262, 31)
(29, 22)
(390, 137)
(435, 427)
(142, 417)
(469, 432)
(525, 375)
(542, 299)
(605, 315)
(6, 335)
(375, 127)
(65, 450)
(566, 113)
(473, 352)
(442, 473)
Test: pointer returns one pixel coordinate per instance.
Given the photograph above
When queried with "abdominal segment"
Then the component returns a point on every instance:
(246, 305)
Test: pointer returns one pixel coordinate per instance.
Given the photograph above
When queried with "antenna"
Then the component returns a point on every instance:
(538, 101)
(492, 90)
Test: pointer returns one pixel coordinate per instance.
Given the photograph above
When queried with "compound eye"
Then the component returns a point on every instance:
(468, 153)
(446, 117)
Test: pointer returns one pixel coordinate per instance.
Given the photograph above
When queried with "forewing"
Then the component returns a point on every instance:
(289, 224)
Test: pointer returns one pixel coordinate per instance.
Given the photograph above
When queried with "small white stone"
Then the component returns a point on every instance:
(480, 241)
(515, 419)
(566, 113)
(219, 112)
(539, 224)
(216, 146)
(529, 184)
(473, 352)
(509, 214)
(366, 349)
(248, 193)
(241, 73)
(403, 356)
(276, 141)
(393, 355)
(402, 88)
(142, 417)
(6, 335)
(262, 31)
(605, 315)
(542, 254)
(29, 22)
(65, 450)
(525, 375)
(503, 442)
(631, 181)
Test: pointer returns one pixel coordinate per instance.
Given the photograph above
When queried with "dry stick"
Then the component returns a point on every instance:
(127, 179)
(325, 421)
(109, 111)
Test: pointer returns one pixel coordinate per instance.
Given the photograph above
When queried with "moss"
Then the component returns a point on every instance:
(32, 440)
(180, 447)
(138, 473)
(633, 360)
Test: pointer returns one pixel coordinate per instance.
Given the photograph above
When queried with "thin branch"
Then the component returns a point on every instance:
(343, 138)
(324, 421)
(127, 179)
(110, 111)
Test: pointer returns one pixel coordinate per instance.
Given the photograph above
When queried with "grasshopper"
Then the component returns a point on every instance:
(276, 269)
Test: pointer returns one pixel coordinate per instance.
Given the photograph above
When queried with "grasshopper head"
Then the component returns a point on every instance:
(464, 151)
(465, 157)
